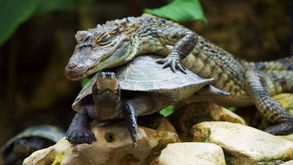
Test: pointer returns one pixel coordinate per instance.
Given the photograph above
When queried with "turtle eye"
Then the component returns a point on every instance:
(104, 40)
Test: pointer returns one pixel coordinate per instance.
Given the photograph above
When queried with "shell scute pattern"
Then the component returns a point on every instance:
(145, 75)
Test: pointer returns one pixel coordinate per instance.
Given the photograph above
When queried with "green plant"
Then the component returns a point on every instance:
(180, 11)
(167, 111)
(15, 12)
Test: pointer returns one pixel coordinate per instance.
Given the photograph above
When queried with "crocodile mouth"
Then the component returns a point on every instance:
(78, 74)
(112, 60)
(108, 60)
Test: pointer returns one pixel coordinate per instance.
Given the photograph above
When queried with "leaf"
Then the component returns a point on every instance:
(167, 111)
(180, 11)
(12, 14)
(84, 81)
(232, 109)
(15, 12)
(45, 6)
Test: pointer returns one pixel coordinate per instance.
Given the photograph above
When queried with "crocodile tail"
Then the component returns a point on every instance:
(279, 81)
(278, 64)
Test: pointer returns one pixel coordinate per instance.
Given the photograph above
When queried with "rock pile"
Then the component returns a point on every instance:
(208, 134)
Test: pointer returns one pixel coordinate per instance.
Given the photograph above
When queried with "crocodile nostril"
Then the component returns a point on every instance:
(71, 65)
(82, 46)
(87, 38)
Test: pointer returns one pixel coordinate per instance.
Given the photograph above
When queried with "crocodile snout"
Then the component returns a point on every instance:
(71, 66)
(74, 72)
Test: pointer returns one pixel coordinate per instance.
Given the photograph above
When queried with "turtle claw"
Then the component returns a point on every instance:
(80, 136)
(173, 63)
(133, 135)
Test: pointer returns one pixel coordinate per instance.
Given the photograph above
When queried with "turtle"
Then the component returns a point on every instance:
(31, 139)
(138, 88)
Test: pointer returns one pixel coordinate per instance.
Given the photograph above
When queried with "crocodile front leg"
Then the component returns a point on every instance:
(181, 49)
(268, 107)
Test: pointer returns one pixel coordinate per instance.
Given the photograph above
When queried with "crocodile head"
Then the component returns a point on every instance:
(105, 46)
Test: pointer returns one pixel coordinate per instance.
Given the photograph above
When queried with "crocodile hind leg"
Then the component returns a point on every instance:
(79, 131)
(268, 107)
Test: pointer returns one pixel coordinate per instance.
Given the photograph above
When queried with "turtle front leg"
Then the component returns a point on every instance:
(130, 116)
(79, 131)
(268, 107)
(139, 106)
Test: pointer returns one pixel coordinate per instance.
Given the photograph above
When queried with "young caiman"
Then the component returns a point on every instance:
(117, 42)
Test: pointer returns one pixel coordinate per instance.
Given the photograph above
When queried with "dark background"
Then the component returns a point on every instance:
(34, 89)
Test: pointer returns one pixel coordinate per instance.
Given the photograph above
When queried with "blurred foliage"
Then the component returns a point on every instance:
(180, 11)
(232, 109)
(15, 12)
(84, 81)
(167, 111)
(54, 5)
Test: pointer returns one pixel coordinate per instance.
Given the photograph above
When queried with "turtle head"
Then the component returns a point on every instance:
(106, 88)
(103, 47)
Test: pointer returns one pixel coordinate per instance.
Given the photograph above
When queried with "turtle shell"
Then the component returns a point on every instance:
(48, 132)
(144, 74)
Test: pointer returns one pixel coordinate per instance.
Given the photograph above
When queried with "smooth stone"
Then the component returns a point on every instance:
(244, 145)
(288, 137)
(185, 117)
(288, 163)
(113, 147)
(191, 153)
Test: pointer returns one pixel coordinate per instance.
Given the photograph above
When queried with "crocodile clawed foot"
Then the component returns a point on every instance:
(173, 63)
(80, 136)
(281, 129)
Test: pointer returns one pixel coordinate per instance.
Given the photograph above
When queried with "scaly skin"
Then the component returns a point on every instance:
(279, 64)
(117, 42)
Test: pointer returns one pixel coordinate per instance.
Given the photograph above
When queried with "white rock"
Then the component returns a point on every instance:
(288, 137)
(288, 163)
(244, 145)
(185, 117)
(219, 113)
(191, 153)
(113, 147)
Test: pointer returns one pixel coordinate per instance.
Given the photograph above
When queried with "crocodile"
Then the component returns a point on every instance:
(119, 41)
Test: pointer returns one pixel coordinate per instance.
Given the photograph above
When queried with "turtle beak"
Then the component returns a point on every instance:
(108, 80)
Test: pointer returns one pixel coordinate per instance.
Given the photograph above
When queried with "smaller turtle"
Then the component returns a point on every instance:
(30, 140)
(140, 88)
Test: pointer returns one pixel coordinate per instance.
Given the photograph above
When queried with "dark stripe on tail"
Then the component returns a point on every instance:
(282, 81)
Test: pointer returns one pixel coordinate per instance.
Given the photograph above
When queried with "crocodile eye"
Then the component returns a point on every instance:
(104, 40)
